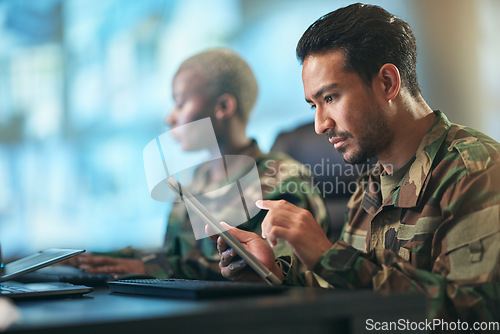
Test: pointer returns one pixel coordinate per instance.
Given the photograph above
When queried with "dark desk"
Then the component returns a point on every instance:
(296, 311)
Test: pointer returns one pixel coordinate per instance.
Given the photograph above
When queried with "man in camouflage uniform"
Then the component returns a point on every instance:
(427, 217)
(218, 84)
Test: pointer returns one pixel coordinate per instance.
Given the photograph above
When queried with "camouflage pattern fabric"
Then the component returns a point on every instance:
(438, 232)
(281, 177)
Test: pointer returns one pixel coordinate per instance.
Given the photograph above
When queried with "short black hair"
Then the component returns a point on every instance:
(370, 37)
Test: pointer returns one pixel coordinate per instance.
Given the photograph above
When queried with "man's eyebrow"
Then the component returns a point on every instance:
(322, 90)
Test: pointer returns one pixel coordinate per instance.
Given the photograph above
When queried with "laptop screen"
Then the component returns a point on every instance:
(36, 261)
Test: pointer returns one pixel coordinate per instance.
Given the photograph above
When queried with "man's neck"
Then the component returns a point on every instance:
(413, 122)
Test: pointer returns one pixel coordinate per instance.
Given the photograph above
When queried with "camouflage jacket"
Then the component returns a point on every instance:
(438, 232)
(183, 256)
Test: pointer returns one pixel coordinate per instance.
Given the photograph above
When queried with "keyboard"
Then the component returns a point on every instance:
(192, 289)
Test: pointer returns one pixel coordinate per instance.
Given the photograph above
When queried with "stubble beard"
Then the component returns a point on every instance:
(376, 139)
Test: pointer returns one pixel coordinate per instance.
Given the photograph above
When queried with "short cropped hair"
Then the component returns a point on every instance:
(369, 37)
(227, 73)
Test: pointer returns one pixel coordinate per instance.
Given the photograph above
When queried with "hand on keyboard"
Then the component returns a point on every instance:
(106, 264)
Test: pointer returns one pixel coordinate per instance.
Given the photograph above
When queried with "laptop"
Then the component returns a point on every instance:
(18, 290)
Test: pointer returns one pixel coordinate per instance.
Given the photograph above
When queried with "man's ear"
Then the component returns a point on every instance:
(390, 80)
(225, 106)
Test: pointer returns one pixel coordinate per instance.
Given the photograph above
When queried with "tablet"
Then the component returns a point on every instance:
(234, 243)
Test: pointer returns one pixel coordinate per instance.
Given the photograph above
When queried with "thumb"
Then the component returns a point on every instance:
(210, 232)
(241, 235)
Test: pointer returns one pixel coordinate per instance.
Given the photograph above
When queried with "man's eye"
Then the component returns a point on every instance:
(328, 98)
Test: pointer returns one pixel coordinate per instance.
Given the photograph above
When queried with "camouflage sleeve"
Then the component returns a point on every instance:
(182, 256)
(464, 282)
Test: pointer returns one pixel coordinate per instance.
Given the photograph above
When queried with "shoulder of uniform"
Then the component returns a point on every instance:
(477, 151)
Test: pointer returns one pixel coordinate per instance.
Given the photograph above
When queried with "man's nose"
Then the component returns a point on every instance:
(322, 122)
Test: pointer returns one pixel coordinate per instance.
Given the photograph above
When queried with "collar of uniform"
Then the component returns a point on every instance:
(252, 150)
(415, 180)
(237, 171)
(372, 200)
